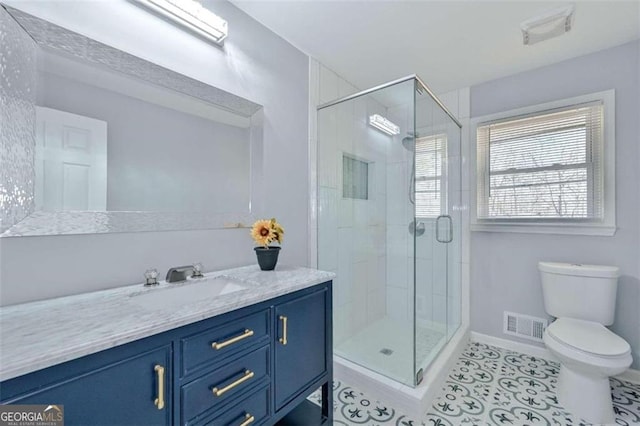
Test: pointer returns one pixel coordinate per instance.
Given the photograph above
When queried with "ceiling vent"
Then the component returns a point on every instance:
(548, 25)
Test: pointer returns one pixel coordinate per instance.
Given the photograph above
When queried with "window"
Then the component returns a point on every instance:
(546, 165)
(429, 189)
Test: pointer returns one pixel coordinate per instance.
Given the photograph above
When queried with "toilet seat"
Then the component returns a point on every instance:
(588, 337)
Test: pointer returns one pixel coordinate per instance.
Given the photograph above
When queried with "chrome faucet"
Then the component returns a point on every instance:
(179, 273)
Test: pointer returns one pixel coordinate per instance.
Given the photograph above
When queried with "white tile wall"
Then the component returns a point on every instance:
(397, 306)
(352, 233)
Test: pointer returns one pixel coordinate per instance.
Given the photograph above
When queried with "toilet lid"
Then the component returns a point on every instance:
(588, 336)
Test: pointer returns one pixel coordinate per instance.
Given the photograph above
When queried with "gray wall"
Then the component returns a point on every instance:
(504, 272)
(159, 159)
(255, 64)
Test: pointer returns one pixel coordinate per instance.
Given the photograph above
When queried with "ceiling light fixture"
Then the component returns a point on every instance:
(548, 25)
(191, 15)
(381, 123)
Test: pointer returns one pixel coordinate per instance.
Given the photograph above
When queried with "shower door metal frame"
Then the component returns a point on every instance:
(389, 84)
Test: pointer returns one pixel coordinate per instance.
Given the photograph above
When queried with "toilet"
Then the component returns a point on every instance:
(583, 300)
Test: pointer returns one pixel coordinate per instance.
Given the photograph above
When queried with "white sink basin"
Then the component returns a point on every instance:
(185, 293)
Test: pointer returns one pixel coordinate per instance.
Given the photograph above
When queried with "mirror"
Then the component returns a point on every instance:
(103, 141)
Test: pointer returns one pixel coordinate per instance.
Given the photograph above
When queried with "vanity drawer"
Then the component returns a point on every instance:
(217, 343)
(216, 389)
(252, 410)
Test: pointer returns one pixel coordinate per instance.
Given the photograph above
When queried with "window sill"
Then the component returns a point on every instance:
(600, 230)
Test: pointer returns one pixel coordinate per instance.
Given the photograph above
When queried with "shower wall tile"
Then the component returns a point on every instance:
(465, 293)
(397, 307)
(379, 180)
(377, 274)
(328, 224)
(454, 279)
(377, 235)
(313, 249)
(345, 126)
(395, 150)
(397, 276)
(361, 212)
(343, 284)
(398, 241)
(377, 211)
(360, 286)
(424, 244)
(453, 315)
(439, 309)
(327, 148)
(376, 306)
(363, 244)
(345, 211)
(359, 297)
(345, 246)
(328, 85)
(397, 195)
(439, 267)
(424, 276)
(341, 324)
(424, 307)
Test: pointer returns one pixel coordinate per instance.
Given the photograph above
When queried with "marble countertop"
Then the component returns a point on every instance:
(41, 334)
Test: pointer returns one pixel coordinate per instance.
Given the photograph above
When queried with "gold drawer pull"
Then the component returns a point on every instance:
(247, 375)
(248, 420)
(283, 339)
(159, 401)
(217, 346)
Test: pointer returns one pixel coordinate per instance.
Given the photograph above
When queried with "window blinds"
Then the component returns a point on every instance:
(429, 184)
(543, 166)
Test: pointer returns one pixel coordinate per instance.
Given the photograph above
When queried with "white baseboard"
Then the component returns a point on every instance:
(630, 375)
(512, 345)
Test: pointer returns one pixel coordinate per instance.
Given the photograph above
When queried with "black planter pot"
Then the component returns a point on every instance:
(267, 257)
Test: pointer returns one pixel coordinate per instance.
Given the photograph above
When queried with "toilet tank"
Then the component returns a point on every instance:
(586, 292)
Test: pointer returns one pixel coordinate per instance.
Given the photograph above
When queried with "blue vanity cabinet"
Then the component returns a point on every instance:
(252, 366)
(300, 357)
(126, 386)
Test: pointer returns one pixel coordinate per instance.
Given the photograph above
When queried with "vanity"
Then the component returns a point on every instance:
(236, 347)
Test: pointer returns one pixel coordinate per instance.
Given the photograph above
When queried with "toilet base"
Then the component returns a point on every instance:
(587, 397)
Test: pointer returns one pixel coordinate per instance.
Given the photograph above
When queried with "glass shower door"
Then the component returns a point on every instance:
(363, 217)
(437, 228)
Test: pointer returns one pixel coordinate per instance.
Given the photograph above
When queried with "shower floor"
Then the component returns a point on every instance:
(386, 347)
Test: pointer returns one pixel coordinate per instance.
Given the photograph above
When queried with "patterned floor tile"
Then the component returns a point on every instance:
(488, 386)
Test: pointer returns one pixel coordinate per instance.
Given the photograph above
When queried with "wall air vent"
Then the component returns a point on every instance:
(524, 326)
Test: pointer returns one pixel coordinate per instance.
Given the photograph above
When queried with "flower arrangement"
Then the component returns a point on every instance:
(264, 232)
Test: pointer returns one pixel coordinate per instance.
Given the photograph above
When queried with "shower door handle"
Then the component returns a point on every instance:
(449, 237)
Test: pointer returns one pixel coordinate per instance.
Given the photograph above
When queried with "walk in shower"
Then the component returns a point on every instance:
(389, 225)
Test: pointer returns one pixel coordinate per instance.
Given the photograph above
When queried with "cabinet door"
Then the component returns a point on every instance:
(302, 357)
(120, 393)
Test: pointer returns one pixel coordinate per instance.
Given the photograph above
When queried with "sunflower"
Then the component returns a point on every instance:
(262, 232)
(266, 231)
(278, 231)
